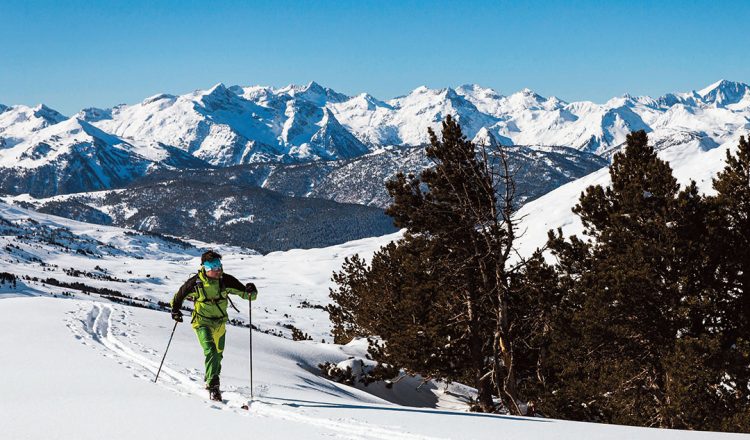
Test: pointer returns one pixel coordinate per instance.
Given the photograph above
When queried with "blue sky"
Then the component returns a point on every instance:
(73, 54)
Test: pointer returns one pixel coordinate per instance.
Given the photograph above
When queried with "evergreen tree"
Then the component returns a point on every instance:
(535, 298)
(730, 239)
(443, 300)
(731, 220)
(397, 301)
(630, 285)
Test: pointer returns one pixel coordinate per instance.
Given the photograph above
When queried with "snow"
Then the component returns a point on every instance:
(705, 91)
(247, 219)
(234, 125)
(223, 208)
(689, 161)
(17, 122)
(728, 94)
(82, 367)
(42, 143)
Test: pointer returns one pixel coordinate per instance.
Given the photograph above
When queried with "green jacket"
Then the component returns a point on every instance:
(210, 296)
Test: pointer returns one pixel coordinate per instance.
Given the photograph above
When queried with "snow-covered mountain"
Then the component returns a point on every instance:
(526, 118)
(234, 126)
(362, 180)
(225, 126)
(19, 121)
(72, 155)
(725, 93)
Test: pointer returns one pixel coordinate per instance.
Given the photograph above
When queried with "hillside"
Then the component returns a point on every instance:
(68, 333)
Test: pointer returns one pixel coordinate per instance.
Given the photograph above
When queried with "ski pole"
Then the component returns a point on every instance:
(165, 351)
(250, 317)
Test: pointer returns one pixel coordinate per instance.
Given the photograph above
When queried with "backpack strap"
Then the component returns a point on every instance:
(232, 304)
(199, 290)
(224, 294)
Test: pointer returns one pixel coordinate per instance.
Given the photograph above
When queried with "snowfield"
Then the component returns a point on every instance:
(84, 369)
(294, 283)
(79, 366)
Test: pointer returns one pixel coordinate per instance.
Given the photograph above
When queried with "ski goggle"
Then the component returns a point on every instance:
(212, 265)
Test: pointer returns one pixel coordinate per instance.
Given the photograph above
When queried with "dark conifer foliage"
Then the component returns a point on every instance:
(443, 300)
(642, 334)
(621, 321)
(730, 240)
(731, 209)
(398, 298)
(644, 322)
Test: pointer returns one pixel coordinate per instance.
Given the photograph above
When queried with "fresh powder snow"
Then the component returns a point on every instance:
(81, 366)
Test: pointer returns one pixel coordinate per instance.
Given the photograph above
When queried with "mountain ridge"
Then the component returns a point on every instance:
(225, 126)
(259, 114)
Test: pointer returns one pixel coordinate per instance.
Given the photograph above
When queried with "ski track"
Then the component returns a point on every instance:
(97, 324)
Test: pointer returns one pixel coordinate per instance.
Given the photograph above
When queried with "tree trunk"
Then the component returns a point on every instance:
(481, 381)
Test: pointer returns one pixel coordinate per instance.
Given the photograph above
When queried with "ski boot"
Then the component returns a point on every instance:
(214, 393)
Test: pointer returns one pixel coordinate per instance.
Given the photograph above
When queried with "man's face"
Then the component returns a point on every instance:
(213, 268)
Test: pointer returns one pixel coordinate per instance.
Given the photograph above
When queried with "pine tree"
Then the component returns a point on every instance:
(730, 239)
(536, 296)
(732, 218)
(352, 283)
(452, 204)
(629, 286)
(443, 300)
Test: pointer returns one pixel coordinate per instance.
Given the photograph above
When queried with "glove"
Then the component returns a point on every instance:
(177, 315)
(252, 290)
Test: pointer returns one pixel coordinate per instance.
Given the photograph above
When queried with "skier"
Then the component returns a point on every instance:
(210, 289)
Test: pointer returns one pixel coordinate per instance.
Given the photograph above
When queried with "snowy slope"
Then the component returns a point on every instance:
(82, 367)
(72, 155)
(152, 267)
(87, 373)
(689, 161)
